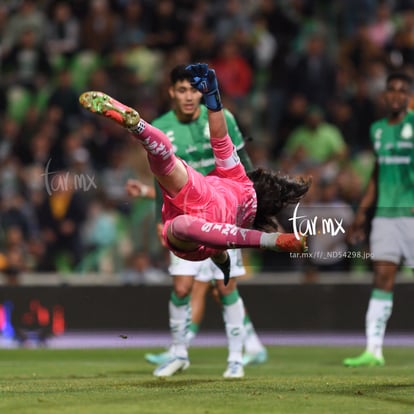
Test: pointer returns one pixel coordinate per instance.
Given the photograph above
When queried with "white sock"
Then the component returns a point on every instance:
(179, 321)
(233, 319)
(378, 313)
(268, 240)
(252, 343)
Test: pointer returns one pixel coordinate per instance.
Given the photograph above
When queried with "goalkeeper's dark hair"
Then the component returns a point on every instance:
(274, 192)
(180, 73)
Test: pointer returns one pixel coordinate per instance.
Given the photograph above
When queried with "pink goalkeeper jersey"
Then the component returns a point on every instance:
(223, 196)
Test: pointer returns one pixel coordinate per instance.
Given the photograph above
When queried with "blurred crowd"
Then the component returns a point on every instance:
(303, 78)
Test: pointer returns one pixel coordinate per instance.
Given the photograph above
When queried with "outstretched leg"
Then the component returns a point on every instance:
(168, 170)
(184, 229)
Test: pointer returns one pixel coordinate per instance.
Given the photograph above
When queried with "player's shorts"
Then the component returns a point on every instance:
(206, 270)
(392, 240)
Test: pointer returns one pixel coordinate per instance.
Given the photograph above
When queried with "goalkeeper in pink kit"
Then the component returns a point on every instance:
(205, 215)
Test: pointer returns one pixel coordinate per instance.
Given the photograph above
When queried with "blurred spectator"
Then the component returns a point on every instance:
(99, 234)
(99, 80)
(284, 29)
(355, 11)
(124, 79)
(63, 99)
(258, 154)
(199, 12)
(363, 109)
(342, 116)
(62, 33)
(282, 24)
(263, 47)
(145, 62)
(376, 72)
(233, 70)
(357, 51)
(353, 178)
(114, 177)
(61, 216)
(100, 228)
(20, 229)
(316, 142)
(28, 17)
(95, 141)
(381, 28)
(232, 21)
(200, 41)
(16, 253)
(135, 25)
(329, 249)
(264, 44)
(293, 114)
(401, 49)
(38, 148)
(30, 125)
(4, 16)
(235, 76)
(27, 64)
(18, 215)
(3, 99)
(99, 27)
(166, 27)
(312, 72)
(10, 181)
(63, 153)
(8, 138)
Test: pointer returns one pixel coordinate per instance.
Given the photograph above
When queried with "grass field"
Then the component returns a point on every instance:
(296, 380)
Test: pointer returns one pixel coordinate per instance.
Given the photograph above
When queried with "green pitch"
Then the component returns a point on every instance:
(296, 380)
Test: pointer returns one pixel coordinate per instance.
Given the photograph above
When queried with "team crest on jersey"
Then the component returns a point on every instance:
(407, 131)
(378, 134)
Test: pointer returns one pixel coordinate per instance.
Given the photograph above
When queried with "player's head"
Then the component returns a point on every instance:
(185, 98)
(397, 92)
(274, 192)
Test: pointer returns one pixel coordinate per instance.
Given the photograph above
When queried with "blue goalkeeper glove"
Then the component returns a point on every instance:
(205, 80)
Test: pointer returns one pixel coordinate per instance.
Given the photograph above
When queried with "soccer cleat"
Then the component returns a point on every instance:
(234, 370)
(366, 359)
(172, 366)
(158, 359)
(287, 242)
(255, 358)
(102, 104)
